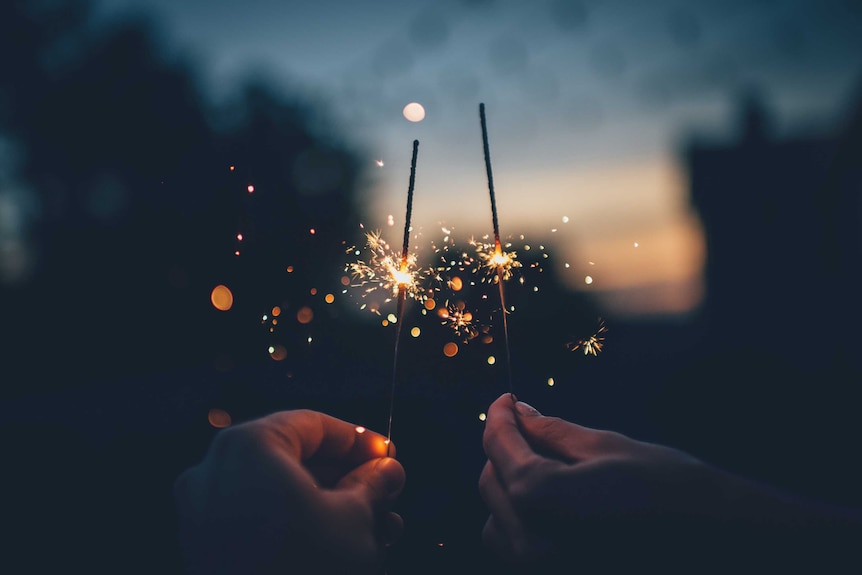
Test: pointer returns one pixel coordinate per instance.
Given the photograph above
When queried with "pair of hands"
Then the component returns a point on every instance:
(303, 492)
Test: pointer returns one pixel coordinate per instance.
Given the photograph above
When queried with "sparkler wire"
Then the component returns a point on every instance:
(497, 246)
(402, 292)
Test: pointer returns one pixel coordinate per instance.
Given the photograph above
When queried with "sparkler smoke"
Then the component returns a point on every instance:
(403, 287)
(499, 259)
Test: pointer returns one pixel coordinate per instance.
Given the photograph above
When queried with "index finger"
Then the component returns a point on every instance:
(306, 434)
(504, 444)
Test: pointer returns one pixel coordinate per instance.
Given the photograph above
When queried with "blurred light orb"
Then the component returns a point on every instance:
(277, 352)
(415, 332)
(414, 111)
(450, 349)
(550, 382)
(588, 280)
(482, 417)
(221, 297)
(492, 360)
(304, 315)
(218, 418)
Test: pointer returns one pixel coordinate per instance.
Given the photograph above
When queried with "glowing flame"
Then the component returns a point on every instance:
(386, 270)
(402, 278)
(498, 263)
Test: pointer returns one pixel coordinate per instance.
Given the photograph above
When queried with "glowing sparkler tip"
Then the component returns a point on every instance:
(402, 278)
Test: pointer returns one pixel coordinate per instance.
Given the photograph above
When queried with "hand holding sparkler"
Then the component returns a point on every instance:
(293, 492)
(560, 494)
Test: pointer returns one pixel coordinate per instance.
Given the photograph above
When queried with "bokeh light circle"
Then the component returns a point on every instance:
(414, 111)
(221, 297)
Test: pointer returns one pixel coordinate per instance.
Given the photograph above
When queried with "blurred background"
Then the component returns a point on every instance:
(184, 185)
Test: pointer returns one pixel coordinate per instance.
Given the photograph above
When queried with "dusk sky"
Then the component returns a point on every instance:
(587, 104)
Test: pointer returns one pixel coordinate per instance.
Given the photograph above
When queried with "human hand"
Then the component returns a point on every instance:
(292, 492)
(558, 490)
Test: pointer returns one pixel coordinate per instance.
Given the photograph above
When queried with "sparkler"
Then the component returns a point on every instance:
(499, 260)
(404, 282)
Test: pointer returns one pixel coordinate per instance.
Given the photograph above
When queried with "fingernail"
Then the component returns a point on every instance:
(392, 473)
(526, 409)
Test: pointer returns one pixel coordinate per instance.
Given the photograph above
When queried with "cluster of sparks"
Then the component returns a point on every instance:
(452, 283)
(384, 270)
(591, 345)
(498, 264)
(459, 319)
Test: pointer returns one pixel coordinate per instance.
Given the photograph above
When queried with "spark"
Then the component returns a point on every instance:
(379, 163)
(591, 345)
(459, 320)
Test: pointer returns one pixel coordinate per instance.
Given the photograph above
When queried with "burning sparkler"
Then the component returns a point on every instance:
(402, 282)
(499, 261)
(387, 271)
(499, 264)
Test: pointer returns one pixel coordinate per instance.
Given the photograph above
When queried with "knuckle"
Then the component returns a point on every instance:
(232, 440)
(525, 483)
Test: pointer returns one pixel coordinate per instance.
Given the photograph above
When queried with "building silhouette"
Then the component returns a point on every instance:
(782, 218)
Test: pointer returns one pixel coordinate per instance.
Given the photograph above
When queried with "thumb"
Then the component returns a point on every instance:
(379, 480)
(555, 437)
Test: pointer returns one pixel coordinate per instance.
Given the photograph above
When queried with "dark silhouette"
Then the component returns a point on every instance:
(779, 324)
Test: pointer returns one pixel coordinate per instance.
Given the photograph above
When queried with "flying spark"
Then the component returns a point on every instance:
(591, 345)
